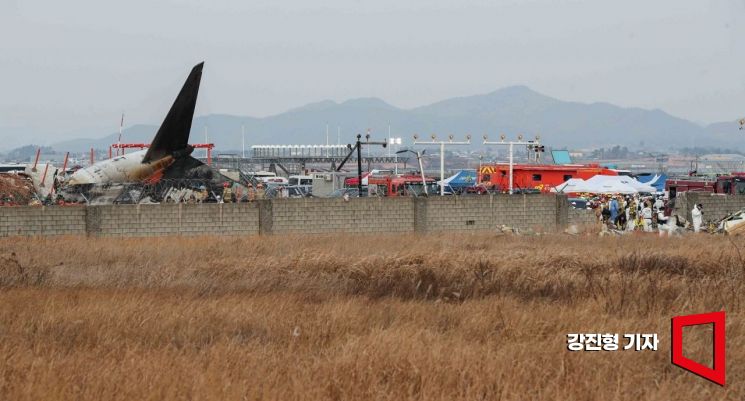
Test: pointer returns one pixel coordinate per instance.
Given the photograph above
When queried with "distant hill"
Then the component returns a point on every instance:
(726, 135)
(510, 110)
(26, 153)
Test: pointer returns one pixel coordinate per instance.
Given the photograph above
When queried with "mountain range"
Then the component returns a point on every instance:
(511, 110)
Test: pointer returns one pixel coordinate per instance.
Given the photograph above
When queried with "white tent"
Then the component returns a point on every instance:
(612, 187)
(573, 185)
(639, 186)
(617, 184)
(604, 184)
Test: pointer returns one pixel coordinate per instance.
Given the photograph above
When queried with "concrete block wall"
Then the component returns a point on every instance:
(581, 217)
(170, 219)
(543, 213)
(362, 215)
(454, 213)
(716, 206)
(39, 220)
(535, 211)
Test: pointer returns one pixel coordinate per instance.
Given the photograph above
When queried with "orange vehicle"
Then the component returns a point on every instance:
(540, 177)
(405, 185)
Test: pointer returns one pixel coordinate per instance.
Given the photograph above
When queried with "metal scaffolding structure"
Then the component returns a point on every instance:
(298, 151)
(293, 159)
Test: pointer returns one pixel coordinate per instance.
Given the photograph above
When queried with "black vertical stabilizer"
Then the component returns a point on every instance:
(173, 135)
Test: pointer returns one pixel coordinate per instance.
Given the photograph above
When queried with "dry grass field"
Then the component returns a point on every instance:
(437, 317)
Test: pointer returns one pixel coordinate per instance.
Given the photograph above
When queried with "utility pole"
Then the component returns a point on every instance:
(389, 139)
(391, 142)
(421, 168)
(368, 137)
(358, 148)
(511, 145)
(205, 140)
(442, 144)
(119, 141)
(243, 141)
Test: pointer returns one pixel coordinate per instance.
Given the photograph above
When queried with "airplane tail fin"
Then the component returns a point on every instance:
(173, 134)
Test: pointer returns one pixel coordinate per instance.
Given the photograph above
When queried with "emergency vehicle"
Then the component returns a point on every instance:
(403, 185)
(540, 177)
(732, 184)
(352, 181)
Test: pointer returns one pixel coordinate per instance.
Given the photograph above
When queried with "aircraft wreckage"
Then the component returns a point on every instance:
(165, 171)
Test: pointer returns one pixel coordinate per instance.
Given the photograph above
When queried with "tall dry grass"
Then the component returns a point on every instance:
(387, 317)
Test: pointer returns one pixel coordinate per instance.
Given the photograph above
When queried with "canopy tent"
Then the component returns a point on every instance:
(612, 187)
(573, 185)
(461, 179)
(604, 184)
(617, 184)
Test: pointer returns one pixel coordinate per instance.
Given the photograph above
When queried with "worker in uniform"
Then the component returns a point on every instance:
(605, 213)
(662, 220)
(238, 195)
(260, 191)
(226, 193)
(647, 217)
(659, 204)
(251, 193)
(621, 219)
(632, 213)
(613, 205)
(697, 215)
(202, 194)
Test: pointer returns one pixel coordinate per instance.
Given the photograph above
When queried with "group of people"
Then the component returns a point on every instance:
(229, 194)
(629, 213)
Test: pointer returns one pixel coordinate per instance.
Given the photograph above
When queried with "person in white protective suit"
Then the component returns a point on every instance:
(659, 204)
(669, 228)
(647, 217)
(661, 218)
(697, 215)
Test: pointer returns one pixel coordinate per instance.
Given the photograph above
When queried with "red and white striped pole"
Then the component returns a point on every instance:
(36, 161)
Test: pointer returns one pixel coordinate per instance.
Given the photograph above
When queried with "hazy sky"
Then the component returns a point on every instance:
(69, 68)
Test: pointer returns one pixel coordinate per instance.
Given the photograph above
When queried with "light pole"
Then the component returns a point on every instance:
(391, 142)
(421, 169)
(442, 144)
(511, 145)
(358, 147)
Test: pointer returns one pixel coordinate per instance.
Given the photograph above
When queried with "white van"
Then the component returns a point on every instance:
(301, 180)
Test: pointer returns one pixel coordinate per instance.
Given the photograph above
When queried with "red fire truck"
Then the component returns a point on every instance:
(733, 184)
(404, 185)
(540, 177)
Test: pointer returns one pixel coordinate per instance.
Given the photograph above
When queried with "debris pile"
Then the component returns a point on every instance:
(16, 189)
(732, 224)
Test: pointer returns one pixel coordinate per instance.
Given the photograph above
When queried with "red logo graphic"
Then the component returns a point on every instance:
(716, 375)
